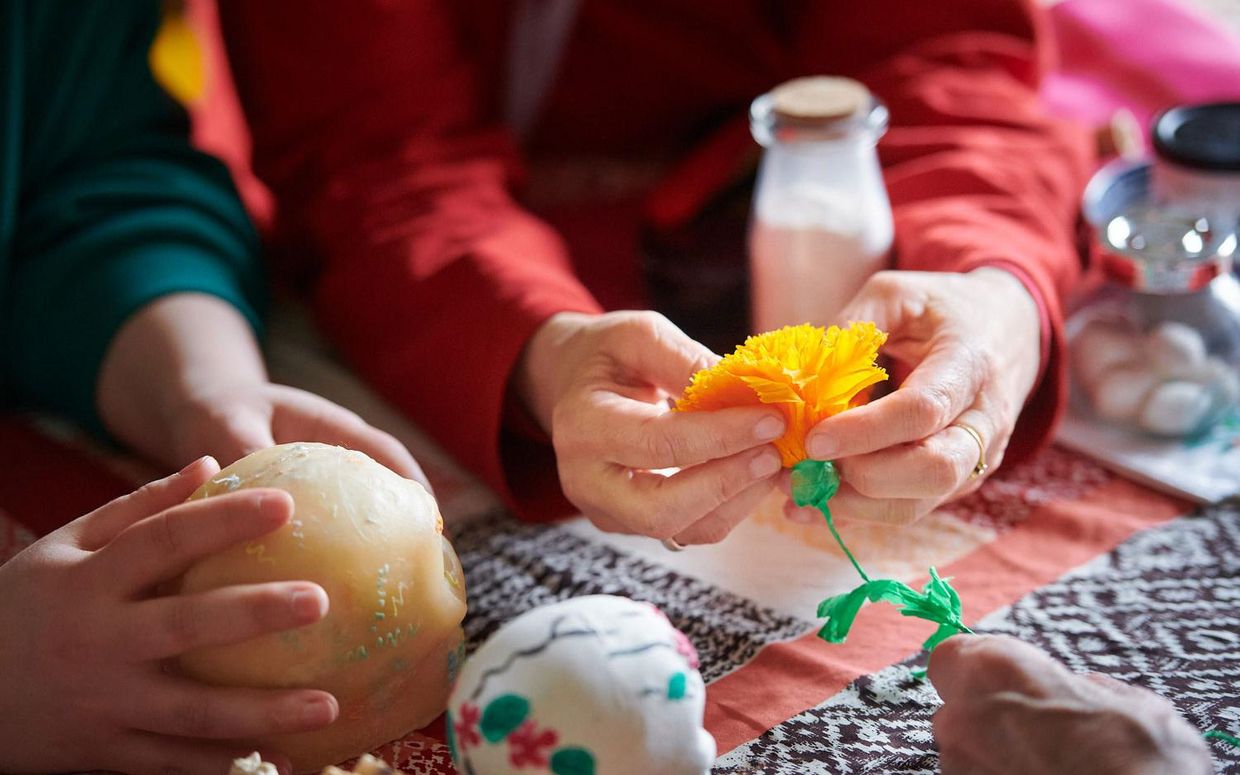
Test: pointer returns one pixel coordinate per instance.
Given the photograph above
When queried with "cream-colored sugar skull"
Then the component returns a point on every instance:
(389, 644)
(593, 685)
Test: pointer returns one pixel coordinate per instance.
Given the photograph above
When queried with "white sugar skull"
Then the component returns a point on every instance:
(594, 685)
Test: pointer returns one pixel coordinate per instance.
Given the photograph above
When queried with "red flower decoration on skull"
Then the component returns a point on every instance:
(528, 747)
(466, 726)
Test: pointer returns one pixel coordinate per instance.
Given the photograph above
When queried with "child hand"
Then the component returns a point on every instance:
(85, 642)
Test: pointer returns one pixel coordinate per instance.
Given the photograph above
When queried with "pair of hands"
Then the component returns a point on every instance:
(86, 641)
(600, 386)
(1010, 709)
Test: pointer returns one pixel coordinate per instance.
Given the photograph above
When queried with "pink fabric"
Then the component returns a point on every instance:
(1144, 55)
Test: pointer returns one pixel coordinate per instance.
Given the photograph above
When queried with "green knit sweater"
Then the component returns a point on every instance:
(104, 206)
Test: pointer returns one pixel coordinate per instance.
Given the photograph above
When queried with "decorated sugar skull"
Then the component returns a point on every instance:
(594, 685)
(388, 647)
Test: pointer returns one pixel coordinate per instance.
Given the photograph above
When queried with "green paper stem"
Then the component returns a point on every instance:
(1219, 734)
(814, 483)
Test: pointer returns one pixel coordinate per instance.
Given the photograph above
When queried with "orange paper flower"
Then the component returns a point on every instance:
(808, 372)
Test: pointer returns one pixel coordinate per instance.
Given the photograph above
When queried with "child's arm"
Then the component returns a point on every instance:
(135, 285)
(184, 376)
(84, 642)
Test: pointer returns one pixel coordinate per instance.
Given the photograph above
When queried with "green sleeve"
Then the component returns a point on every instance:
(116, 210)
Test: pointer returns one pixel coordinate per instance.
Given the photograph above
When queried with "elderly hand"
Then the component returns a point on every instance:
(1009, 709)
(599, 385)
(84, 640)
(972, 344)
(184, 377)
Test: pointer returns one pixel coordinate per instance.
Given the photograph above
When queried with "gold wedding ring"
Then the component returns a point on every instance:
(982, 465)
(673, 545)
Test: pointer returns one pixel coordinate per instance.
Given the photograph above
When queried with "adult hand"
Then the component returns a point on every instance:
(1010, 709)
(184, 377)
(84, 640)
(599, 385)
(971, 345)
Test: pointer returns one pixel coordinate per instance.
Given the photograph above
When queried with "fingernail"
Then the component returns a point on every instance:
(769, 429)
(193, 465)
(318, 712)
(821, 447)
(308, 605)
(767, 463)
(275, 503)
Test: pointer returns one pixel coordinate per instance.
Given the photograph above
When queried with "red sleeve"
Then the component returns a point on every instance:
(429, 278)
(977, 172)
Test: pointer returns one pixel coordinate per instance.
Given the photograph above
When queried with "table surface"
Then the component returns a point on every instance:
(1105, 574)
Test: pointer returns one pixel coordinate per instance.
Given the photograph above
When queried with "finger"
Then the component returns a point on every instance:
(643, 436)
(802, 515)
(104, 523)
(662, 506)
(1124, 691)
(187, 709)
(659, 352)
(239, 433)
(948, 668)
(166, 544)
(302, 416)
(718, 524)
(848, 504)
(954, 762)
(935, 393)
(175, 624)
(935, 467)
(981, 665)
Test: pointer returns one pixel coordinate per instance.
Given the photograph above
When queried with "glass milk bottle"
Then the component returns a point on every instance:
(821, 221)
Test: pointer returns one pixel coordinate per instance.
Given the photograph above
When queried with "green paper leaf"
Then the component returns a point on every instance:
(572, 761)
(944, 632)
(502, 715)
(840, 611)
(676, 686)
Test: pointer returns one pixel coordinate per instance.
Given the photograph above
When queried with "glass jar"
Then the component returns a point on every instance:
(1197, 162)
(820, 221)
(1157, 347)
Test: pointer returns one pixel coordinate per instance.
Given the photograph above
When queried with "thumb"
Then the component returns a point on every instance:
(239, 433)
(660, 353)
(883, 300)
(100, 526)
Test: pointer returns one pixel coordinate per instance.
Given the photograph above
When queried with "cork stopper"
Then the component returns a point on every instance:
(817, 100)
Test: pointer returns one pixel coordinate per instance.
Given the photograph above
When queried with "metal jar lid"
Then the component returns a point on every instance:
(1201, 137)
(1147, 247)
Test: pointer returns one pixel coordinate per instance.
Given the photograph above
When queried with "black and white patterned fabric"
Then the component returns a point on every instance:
(511, 567)
(1161, 611)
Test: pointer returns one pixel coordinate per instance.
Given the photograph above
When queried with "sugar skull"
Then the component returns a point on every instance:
(591, 685)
